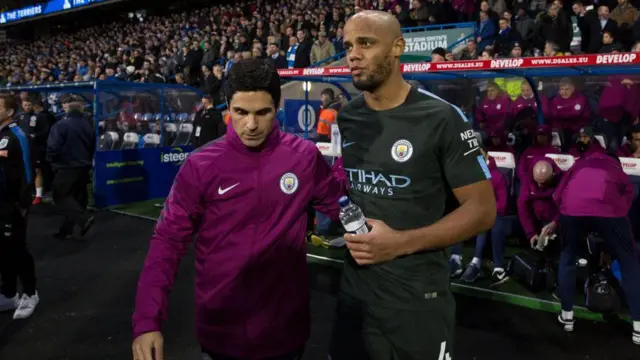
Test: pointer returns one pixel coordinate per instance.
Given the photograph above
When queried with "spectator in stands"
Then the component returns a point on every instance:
(278, 60)
(303, 51)
(486, 32)
(632, 147)
(606, 23)
(499, 232)
(438, 55)
(322, 49)
(493, 113)
(525, 27)
(491, 14)
(402, 15)
(537, 211)
(291, 52)
(569, 111)
(609, 43)
(590, 28)
(586, 144)
(506, 37)
(595, 196)
(466, 52)
(556, 28)
(70, 150)
(625, 15)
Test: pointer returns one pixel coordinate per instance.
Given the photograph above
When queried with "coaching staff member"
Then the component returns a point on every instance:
(70, 149)
(208, 124)
(406, 153)
(246, 197)
(16, 179)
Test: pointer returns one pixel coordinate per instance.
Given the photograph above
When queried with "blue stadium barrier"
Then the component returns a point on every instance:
(143, 134)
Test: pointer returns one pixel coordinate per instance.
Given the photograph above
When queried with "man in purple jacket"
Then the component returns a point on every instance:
(541, 146)
(569, 111)
(595, 196)
(537, 211)
(494, 111)
(244, 197)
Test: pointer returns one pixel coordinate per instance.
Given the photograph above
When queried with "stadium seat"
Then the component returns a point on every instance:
(183, 136)
(506, 162)
(564, 162)
(601, 139)
(150, 141)
(183, 118)
(108, 140)
(556, 140)
(170, 132)
(130, 141)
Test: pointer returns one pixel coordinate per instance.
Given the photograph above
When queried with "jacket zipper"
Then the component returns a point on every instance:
(256, 226)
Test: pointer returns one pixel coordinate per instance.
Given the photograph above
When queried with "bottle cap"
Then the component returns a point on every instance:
(344, 201)
(582, 262)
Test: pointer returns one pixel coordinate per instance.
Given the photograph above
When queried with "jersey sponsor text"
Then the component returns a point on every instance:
(375, 183)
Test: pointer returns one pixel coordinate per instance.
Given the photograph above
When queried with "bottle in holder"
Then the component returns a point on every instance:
(335, 139)
(352, 217)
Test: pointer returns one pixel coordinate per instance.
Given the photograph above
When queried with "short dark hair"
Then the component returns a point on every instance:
(329, 93)
(253, 75)
(208, 98)
(10, 102)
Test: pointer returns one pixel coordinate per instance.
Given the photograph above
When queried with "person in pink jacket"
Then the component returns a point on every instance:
(632, 147)
(494, 112)
(242, 202)
(537, 211)
(595, 196)
(498, 142)
(569, 112)
(586, 144)
(541, 146)
(499, 232)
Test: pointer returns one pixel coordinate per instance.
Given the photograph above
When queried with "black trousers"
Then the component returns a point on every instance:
(372, 332)
(15, 260)
(296, 355)
(69, 190)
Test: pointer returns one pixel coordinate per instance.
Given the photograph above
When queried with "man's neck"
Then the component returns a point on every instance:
(389, 95)
(5, 123)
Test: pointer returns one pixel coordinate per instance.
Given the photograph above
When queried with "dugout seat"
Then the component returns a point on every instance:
(108, 141)
(130, 140)
(556, 140)
(150, 141)
(564, 161)
(183, 136)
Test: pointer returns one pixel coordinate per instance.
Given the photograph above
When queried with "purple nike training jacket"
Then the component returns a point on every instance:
(595, 186)
(248, 211)
(536, 207)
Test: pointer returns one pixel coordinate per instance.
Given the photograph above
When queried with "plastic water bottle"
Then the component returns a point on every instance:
(352, 217)
(335, 139)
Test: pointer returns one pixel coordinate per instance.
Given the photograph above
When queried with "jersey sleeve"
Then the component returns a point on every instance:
(462, 161)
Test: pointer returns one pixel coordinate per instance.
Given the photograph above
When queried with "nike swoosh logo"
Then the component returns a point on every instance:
(222, 191)
(347, 144)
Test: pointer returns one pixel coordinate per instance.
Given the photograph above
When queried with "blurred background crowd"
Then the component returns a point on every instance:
(196, 45)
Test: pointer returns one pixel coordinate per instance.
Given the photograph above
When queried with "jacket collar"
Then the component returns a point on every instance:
(271, 142)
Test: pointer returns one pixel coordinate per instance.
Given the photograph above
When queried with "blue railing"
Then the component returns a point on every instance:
(340, 55)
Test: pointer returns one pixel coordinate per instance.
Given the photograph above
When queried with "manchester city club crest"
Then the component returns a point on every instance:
(289, 183)
(401, 150)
